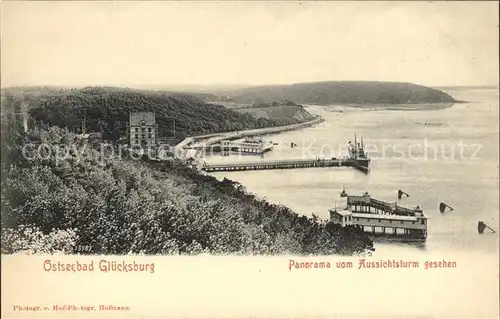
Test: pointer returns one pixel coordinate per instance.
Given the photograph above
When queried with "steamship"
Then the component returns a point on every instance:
(358, 156)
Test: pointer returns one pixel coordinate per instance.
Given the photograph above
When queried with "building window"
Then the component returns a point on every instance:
(136, 136)
(150, 135)
(357, 219)
(413, 223)
(149, 129)
(143, 135)
(379, 221)
(367, 220)
(136, 141)
(137, 129)
(401, 222)
(423, 221)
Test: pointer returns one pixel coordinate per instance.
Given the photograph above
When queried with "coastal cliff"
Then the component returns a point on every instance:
(274, 111)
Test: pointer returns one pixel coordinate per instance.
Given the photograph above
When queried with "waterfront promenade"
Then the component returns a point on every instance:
(203, 141)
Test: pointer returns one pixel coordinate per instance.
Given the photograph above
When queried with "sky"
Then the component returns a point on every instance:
(249, 43)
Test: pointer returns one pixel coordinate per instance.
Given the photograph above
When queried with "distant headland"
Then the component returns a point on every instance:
(340, 92)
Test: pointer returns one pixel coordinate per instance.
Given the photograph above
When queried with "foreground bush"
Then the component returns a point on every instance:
(31, 240)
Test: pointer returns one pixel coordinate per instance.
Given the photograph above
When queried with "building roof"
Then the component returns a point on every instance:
(388, 217)
(342, 212)
(137, 117)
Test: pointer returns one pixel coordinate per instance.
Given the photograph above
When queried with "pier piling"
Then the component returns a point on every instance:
(443, 206)
(481, 226)
(401, 193)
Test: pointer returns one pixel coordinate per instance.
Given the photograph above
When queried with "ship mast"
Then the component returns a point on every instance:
(355, 145)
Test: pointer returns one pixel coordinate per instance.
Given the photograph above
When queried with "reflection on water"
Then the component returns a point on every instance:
(403, 242)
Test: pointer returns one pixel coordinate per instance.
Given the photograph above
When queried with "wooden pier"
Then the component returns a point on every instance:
(284, 164)
(381, 218)
(357, 159)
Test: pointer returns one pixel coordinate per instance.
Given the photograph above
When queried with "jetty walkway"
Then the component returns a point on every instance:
(279, 164)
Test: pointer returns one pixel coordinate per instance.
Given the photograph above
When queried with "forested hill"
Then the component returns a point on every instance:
(107, 109)
(345, 92)
(117, 205)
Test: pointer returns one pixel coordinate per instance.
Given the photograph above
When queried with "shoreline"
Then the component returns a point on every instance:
(399, 106)
(213, 138)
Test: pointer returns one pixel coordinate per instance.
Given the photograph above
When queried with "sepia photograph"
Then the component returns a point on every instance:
(250, 159)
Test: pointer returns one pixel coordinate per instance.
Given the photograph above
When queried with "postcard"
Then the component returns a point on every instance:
(249, 159)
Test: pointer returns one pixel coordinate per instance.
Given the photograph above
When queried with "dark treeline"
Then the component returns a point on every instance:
(120, 206)
(107, 110)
